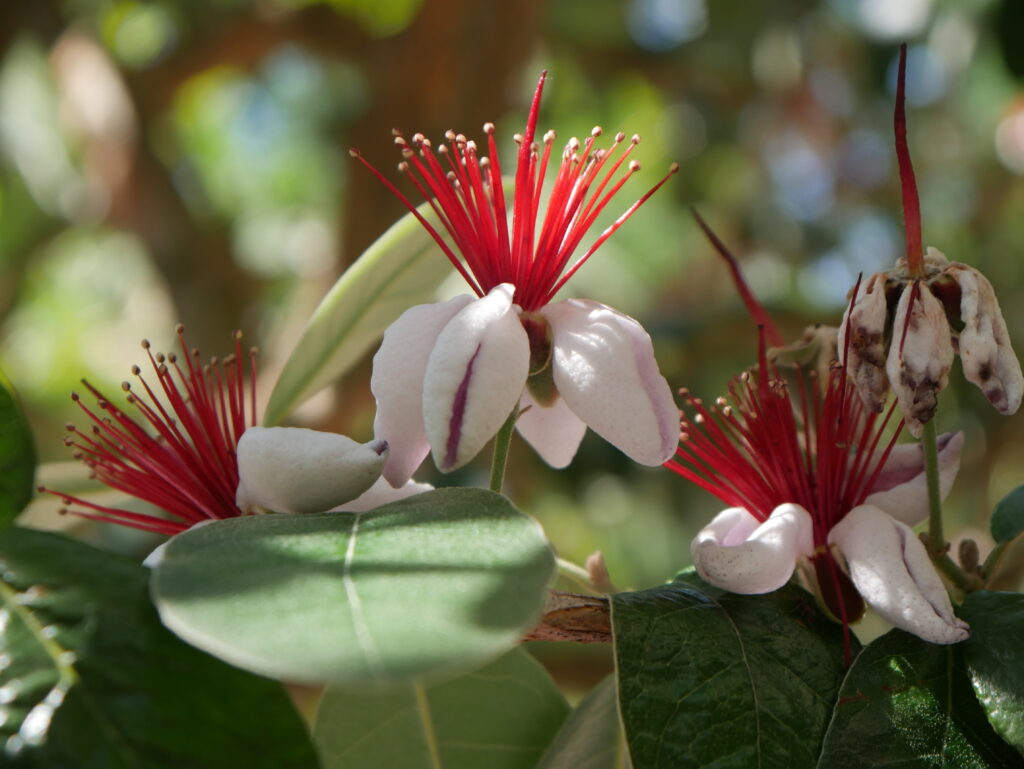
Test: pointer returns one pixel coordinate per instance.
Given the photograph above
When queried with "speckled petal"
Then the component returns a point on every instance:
(737, 553)
(901, 489)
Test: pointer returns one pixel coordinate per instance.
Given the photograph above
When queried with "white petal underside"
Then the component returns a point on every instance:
(554, 431)
(397, 383)
(475, 375)
(891, 569)
(604, 368)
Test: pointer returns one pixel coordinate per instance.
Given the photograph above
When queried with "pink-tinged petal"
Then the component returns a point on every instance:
(985, 351)
(295, 470)
(381, 493)
(397, 383)
(553, 431)
(901, 489)
(737, 553)
(604, 368)
(892, 571)
(474, 377)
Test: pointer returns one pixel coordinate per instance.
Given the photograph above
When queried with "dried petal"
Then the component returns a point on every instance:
(862, 342)
(985, 351)
(920, 355)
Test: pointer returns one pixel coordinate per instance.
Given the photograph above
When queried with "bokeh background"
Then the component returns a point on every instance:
(185, 160)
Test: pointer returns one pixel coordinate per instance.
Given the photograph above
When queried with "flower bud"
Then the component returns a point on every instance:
(295, 470)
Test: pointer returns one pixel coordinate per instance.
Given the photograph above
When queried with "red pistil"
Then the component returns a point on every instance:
(189, 468)
(466, 195)
(911, 205)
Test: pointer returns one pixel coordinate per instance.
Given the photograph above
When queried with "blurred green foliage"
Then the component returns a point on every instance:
(187, 160)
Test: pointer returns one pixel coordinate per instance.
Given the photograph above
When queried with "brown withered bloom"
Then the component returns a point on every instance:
(906, 324)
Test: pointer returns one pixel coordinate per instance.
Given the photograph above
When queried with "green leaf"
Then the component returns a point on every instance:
(402, 268)
(92, 680)
(995, 659)
(709, 678)
(591, 737)
(907, 702)
(444, 580)
(500, 717)
(1008, 517)
(17, 456)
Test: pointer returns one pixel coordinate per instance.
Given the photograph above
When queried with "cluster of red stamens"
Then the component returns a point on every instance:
(465, 192)
(189, 468)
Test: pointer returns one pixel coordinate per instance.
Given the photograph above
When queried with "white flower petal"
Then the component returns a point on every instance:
(295, 470)
(553, 431)
(865, 350)
(901, 489)
(381, 493)
(985, 351)
(919, 361)
(397, 383)
(604, 368)
(891, 570)
(474, 377)
(738, 554)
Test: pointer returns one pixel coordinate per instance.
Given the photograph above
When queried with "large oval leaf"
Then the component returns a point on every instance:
(17, 456)
(500, 717)
(995, 659)
(591, 737)
(92, 680)
(709, 678)
(906, 702)
(402, 268)
(443, 580)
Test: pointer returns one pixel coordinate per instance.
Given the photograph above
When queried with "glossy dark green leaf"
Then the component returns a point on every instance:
(995, 659)
(441, 581)
(91, 679)
(906, 702)
(17, 456)
(709, 678)
(499, 717)
(591, 737)
(1008, 517)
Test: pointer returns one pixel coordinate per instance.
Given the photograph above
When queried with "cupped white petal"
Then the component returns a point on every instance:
(901, 489)
(475, 375)
(295, 470)
(397, 383)
(553, 431)
(737, 553)
(381, 493)
(891, 569)
(604, 368)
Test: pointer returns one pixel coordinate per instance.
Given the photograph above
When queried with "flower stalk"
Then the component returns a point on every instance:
(502, 442)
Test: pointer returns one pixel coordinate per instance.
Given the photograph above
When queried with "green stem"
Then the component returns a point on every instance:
(575, 573)
(937, 545)
(501, 444)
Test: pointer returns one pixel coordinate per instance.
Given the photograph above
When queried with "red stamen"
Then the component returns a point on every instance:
(908, 185)
(470, 203)
(189, 470)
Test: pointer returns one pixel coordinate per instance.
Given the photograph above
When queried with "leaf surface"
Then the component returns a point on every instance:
(713, 679)
(441, 581)
(92, 680)
(501, 716)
